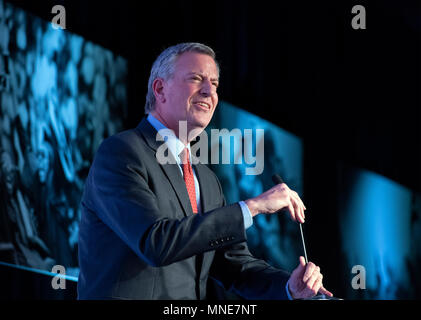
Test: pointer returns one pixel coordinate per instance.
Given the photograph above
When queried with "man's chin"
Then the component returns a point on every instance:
(200, 122)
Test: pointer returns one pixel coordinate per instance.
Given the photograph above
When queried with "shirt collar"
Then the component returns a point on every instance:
(175, 146)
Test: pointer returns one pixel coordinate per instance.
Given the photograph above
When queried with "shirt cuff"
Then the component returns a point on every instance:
(248, 219)
(287, 289)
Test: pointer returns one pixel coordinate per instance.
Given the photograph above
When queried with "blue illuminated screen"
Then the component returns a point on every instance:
(380, 228)
(60, 97)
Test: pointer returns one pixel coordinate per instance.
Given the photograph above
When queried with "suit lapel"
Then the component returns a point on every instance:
(204, 193)
(203, 196)
(205, 260)
(172, 171)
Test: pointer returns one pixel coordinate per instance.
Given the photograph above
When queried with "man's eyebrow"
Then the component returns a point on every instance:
(200, 74)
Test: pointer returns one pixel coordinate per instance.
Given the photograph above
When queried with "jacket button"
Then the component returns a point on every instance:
(211, 244)
(227, 238)
(216, 242)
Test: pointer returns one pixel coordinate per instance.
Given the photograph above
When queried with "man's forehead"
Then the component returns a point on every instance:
(199, 63)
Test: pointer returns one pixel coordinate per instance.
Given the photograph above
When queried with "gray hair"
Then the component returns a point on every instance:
(163, 67)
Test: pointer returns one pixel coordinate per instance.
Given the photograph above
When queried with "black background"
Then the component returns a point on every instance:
(353, 96)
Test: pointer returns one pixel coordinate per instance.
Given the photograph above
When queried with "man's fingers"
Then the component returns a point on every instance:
(292, 212)
(299, 204)
(313, 278)
(297, 209)
(324, 291)
(309, 271)
(294, 205)
(302, 216)
(317, 284)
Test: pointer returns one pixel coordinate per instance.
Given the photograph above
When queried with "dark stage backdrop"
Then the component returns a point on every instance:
(60, 96)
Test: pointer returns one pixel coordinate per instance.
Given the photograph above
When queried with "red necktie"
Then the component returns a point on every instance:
(189, 178)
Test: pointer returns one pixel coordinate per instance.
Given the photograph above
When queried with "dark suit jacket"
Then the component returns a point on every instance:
(139, 238)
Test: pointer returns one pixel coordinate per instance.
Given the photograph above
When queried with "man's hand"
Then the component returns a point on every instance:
(277, 198)
(306, 281)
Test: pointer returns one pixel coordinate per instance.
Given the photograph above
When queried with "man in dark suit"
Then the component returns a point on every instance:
(155, 230)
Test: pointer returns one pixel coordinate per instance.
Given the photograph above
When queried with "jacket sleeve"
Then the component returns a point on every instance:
(117, 192)
(237, 270)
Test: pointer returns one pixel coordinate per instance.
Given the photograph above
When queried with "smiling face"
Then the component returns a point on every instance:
(190, 94)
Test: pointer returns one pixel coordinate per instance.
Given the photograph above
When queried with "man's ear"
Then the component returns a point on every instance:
(158, 89)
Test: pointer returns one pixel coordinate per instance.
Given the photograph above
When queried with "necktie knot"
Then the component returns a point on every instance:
(184, 155)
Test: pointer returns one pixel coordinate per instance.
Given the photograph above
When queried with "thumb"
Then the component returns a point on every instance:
(302, 262)
(299, 271)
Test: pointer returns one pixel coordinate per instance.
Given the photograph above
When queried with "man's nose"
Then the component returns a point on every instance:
(206, 89)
